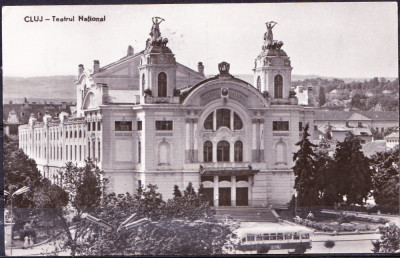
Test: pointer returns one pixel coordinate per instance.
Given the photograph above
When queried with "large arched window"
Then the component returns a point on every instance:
(281, 153)
(223, 118)
(162, 84)
(209, 122)
(259, 83)
(237, 122)
(278, 86)
(163, 153)
(207, 151)
(223, 151)
(238, 151)
(143, 83)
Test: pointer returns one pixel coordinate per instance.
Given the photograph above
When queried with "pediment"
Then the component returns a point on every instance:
(358, 117)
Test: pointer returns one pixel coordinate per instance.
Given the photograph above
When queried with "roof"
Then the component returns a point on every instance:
(24, 111)
(260, 228)
(370, 148)
(123, 96)
(393, 135)
(345, 115)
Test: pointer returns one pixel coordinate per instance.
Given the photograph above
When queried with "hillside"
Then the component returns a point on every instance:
(58, 88)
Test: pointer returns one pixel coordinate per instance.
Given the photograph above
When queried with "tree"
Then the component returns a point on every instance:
(329, 244)
(177, 192)
(324, 173)
(385, 178)
(389, 241)
(352, 174)
(19, 170)
(79, 190)
(322, 99)
(305, 172)
(172, 230)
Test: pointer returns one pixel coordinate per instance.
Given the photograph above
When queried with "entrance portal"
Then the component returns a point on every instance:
(224, 196)
(242, 196)
(209, 195)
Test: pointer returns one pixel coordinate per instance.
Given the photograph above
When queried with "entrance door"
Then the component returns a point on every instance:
(242, 196)
(209, 195)
(224, 196)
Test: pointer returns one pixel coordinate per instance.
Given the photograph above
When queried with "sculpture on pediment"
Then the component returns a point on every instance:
(156, 39)
(268, 36)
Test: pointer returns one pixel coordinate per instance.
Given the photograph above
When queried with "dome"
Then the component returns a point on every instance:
(273, 52)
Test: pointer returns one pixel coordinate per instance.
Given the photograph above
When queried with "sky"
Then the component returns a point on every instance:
(344, 40)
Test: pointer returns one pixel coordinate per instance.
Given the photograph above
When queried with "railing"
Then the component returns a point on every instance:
(227, 165)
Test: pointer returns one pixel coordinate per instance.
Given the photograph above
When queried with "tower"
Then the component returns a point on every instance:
(158, 66)
(272, 70)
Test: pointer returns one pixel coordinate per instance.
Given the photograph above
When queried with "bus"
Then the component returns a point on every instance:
(274, 236)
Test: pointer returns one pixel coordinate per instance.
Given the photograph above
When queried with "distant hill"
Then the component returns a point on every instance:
(62, 88)
(51, 88)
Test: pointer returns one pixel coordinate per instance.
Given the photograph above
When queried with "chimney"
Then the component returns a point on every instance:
(104, 89)
(81, 69)
(200, 68)
(96, 66)
(130, 51)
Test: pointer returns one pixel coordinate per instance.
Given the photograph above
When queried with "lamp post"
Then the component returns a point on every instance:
(295, 203)
(22, 190)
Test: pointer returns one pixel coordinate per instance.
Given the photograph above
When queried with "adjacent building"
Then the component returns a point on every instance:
(147, 119)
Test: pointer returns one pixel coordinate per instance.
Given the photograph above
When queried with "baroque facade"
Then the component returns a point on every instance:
(147, 119)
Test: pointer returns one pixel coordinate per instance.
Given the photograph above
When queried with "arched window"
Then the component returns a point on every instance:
(70, 134)
(223, 118)
(237, 122)
(207, 151)
(278, 86)
(209, 122)
(143, 83)
(223, 151)
(238, 151)
(163, 153)
(259, 83)
(75, 134)
(80, 134)
(162, 84)
(281, 153)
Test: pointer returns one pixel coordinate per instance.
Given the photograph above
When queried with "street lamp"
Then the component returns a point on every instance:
(22, 190)
(295, 203)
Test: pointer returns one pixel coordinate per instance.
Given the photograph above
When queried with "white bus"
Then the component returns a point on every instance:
(274, 236)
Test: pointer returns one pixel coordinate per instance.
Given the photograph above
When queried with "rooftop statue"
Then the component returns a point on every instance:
(156, 39)
(268, 36)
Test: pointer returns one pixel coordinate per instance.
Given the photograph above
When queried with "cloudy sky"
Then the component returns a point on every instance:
(326, 39)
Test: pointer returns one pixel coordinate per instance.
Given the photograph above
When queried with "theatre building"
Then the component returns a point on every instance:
(147, 119)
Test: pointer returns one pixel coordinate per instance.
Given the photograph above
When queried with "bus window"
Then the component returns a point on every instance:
(305, 236)
(288, 236)
(272, 236)
(250, 237)
(279, 236)
(296, 236)
(259, 237)
(243, 239)
(266, 237)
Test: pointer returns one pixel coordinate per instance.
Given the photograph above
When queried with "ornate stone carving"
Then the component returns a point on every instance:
(223, 68)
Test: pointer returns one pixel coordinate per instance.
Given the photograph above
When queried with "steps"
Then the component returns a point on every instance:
(246, 214)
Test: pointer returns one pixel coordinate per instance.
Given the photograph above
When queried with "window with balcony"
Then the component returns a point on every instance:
(162, 84)
(278, 86)
(223, 151)
(164, 125)
(207, 151)
(123, 125)
(238, 151)
(280, 126)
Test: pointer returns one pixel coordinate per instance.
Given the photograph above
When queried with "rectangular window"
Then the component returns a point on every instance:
(266, 237)
(272, 236)
(250, 237)
(88, 128)
(123, 125)
(164, 125)
(279, 236)
(139, 125)
(288, 236)
(280, 125)
(300, 126)
(94, 126)
(359, 124)
(98, 126)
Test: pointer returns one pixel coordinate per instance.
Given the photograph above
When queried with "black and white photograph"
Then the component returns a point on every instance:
(201, 129)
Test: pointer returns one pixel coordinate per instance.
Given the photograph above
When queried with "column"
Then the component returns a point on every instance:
(233, 191)
(216, 193)
(187, 145)
(262, 140)
(215, 121)
(250, 189)
(195, 142)
(231, 151)
(231, 120)
(214, 151)
(254, 157)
